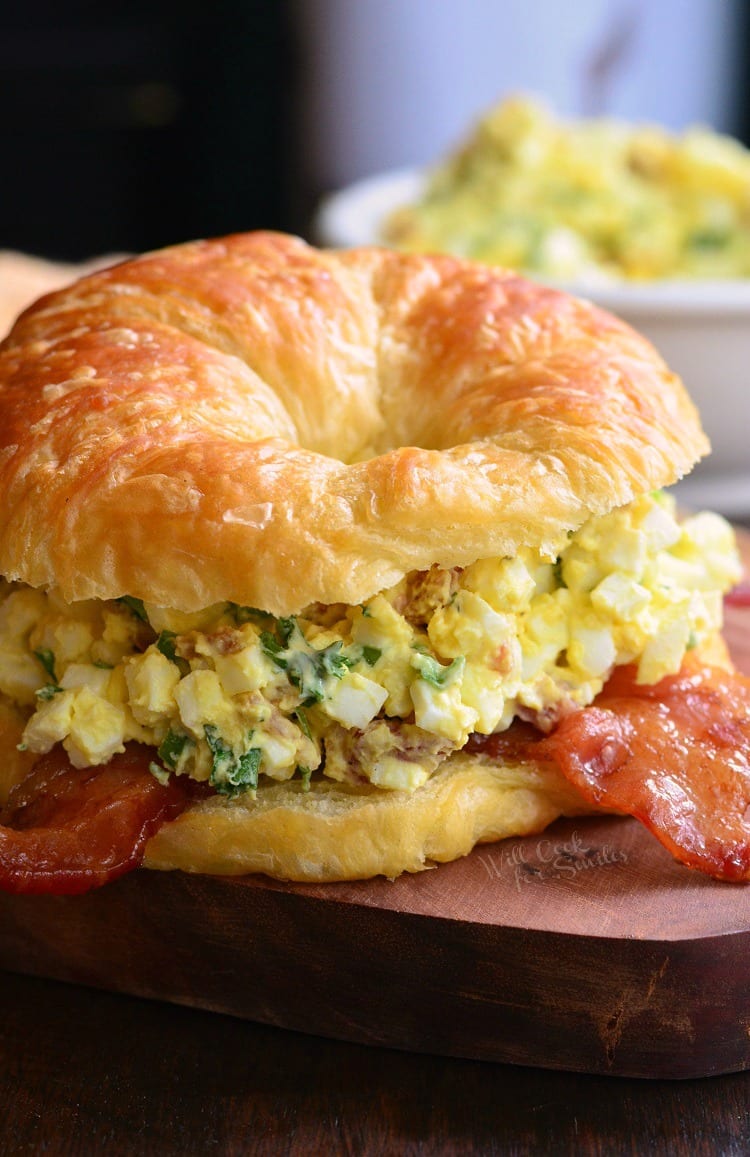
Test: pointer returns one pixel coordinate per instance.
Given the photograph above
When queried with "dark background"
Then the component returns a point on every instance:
(128, 125)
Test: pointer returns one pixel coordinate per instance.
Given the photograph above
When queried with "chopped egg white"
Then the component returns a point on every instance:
(355, 701)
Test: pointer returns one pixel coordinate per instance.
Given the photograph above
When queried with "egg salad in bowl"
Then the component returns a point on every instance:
(585, 201)
(378, 693)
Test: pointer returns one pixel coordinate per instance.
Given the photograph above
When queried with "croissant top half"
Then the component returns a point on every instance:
(251, 419)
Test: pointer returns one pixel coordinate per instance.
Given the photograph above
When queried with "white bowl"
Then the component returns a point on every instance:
(355, 215)
(701, 328)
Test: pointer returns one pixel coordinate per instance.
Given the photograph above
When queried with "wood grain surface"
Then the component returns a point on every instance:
(586, 949)
(84, 1073)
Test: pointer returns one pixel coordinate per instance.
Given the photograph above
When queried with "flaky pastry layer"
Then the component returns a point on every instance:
(254, 420)
(337, 833)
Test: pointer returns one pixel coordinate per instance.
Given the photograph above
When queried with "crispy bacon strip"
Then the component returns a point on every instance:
(66, 830)
(676, 755)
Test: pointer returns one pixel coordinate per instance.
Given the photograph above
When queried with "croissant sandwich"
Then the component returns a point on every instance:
(334, 564)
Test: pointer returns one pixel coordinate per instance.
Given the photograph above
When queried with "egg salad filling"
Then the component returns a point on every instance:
(590, 201)
(378, 693)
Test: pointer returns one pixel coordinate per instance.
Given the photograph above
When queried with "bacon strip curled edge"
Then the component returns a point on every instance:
(676, 755)
(65, 830)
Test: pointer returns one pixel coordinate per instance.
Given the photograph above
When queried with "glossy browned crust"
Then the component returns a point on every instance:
(251, 419)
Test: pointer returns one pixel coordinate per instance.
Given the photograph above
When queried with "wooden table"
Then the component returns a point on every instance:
(88, 1073)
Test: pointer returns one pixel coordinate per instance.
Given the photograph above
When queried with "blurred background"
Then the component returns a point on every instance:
(135, 124)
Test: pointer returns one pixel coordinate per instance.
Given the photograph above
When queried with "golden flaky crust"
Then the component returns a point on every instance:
(250, 419)
(337, 833)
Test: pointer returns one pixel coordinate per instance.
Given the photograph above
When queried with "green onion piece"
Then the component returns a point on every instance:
(305, 776)
(371, 655)
(166, 644)
(272, 648)
(171, 748)
(245, 614)
(435, 673)
(136, 606)
(47, 659)
(48, 691)
(304, 724)
(231, 775)
(287, 627)
(307, 671)
(305, 667)
(708, 239)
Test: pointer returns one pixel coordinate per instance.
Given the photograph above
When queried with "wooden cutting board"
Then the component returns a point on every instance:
(585, 948)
